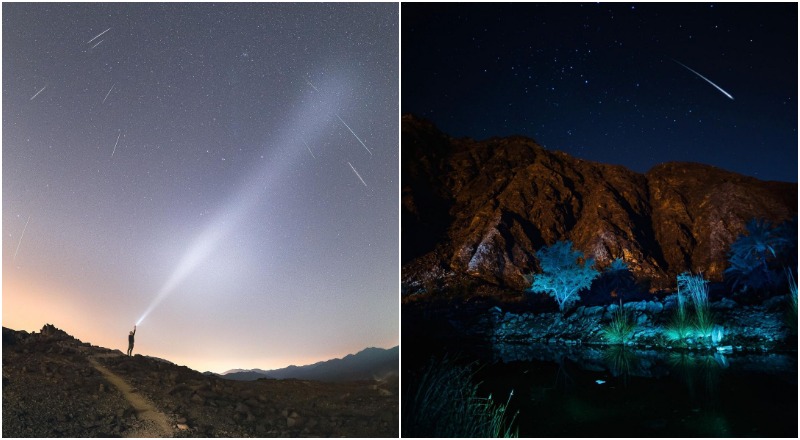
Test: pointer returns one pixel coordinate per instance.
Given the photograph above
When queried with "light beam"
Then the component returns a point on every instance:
(310, 121)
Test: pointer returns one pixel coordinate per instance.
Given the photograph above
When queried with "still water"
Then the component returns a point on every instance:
(615, 392)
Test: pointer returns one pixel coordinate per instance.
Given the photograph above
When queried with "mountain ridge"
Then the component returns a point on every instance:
(478, 211)
(367, 364)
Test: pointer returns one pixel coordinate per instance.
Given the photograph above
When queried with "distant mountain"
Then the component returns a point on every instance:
(477, 211)
(369, 364)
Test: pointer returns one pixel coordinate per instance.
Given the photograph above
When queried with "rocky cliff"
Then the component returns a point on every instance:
(478, 211)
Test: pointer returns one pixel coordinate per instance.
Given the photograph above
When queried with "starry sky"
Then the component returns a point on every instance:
(224, 173)
(612, 82)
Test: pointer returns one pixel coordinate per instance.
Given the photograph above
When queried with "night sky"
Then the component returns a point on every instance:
(226, 174)
(612, 83)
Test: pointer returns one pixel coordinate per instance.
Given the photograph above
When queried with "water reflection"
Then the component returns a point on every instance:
(620, 361)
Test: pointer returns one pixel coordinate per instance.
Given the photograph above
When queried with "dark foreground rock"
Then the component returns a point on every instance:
(51, 389)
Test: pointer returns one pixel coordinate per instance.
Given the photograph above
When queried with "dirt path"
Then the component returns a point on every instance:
(156, 423)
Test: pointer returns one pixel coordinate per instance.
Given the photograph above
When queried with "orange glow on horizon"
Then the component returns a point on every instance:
(30, 304)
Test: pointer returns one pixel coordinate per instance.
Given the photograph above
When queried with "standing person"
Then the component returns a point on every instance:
(130, 340)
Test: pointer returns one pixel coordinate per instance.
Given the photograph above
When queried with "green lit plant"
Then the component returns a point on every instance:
(620, 327)
(696, 288)
(680, 326)
(445, 403)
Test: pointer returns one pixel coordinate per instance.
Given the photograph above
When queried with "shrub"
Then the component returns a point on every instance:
(445, 403)
(751, 253)
(620, 327)
(565, 272)
(616, 278)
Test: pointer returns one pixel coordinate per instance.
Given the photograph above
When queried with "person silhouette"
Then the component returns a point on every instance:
(130, 340)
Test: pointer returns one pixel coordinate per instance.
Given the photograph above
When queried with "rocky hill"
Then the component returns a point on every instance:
(367, 364)
(57, 386)
(478, 211)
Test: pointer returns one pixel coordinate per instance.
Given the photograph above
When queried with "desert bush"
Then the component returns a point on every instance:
(445, 403)
(752, 253)
(565, 272)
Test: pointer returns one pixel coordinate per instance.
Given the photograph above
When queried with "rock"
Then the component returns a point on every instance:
(241, 408)
(725, 349)
(102, 388)
(641, 319)
(654, 307)
(724, 304)
(183, 426)
(291, 422)
(774, 303)
(181, 420)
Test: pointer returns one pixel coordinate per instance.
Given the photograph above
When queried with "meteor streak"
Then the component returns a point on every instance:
(115, 143)
(359, 175)
(354, 134)
(309, 149)
(97, 44)
(95, 37)
(109, 92)
(706, 79)
(20, 239)
(312, 85)
(37, 93)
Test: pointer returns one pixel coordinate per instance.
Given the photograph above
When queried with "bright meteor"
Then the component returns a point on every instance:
(707, 80)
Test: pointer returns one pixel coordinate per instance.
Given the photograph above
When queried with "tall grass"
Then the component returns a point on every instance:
(620, 327)
(696, 288)
(680, 326)
(445, 403)
(691, 289)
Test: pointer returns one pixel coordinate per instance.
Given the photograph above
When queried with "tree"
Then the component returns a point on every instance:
(565, 272)
(616, 280)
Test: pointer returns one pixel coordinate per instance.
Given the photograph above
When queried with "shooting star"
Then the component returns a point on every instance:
(312, 85)
(95, 37)
(354, 134)
(109, 92)
(20, 239)
(37, 93)
(115, 143)
(706, 79)
(97, 44)
(309, 149)
(359, 175)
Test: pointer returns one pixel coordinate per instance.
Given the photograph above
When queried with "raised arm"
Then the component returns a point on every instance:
(134, 329)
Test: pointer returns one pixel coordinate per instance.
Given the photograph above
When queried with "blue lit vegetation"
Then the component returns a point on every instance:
(565, 272)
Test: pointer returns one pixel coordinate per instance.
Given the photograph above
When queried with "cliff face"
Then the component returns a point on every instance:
(480, 209)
